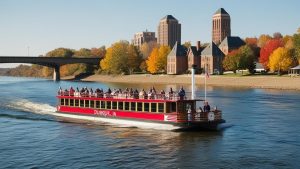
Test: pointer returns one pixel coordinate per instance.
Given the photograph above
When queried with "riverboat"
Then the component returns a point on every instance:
(170, 111)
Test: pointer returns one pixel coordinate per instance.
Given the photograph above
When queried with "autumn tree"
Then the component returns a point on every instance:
(61, 52)
(296, 43)
(98, 52)
(134, 58)
(187, 44)
(157, 62)
(147, 48)
(121, 57)
(262, 40)
(281, 60)
(242, 58)
(231, 61)
(152, 61)
(252, 43)
(267, 50)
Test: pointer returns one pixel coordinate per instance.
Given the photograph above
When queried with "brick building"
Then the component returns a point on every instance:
(212, 59)
(220, 26)
(230, 43)
(177, 60)
(169, 31)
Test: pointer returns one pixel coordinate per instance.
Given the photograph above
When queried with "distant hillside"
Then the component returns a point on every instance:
(3, 71)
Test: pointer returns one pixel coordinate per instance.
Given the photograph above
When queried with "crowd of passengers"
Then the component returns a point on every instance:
(127, 93)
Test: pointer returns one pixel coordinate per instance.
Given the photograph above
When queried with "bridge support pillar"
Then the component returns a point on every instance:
(56, 74)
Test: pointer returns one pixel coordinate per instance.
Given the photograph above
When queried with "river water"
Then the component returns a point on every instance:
(262, 131)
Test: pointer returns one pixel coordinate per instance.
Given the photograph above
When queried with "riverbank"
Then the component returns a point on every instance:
(267, 82)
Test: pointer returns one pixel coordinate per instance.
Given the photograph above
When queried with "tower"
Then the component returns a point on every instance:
(220, 26)
(169, 31)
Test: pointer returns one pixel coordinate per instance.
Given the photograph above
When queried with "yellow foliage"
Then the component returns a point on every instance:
(152, 61)
(157, 61)
(281, 60)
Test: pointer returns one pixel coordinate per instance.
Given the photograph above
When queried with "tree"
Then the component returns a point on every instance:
(157, 61)
(252, 42)
(267, 50)
(115, 59)
(277, 35)
(152, 61)
(98, 52)
(296, 43)
(262, 40)
(163, 57)
(187, 44)
(242, 58)
(134, 59)
(231, 61)
(61, 52)
(147, 48)
(281, 60)
(247, 58)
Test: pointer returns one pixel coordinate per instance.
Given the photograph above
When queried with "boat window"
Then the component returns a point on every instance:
(76, 103)
(146, 106)
(114, 105)
(126, 105)
(173, 107)
(62, 102)
(108, 105)
(66, 102)
(97, 104)
(92, 103)
(132, 106)
(102, 103)
(161, 107)
(153, 107)
(81, 103)
(120, 105)
(139, 106)
(71, 102)
(86, 103)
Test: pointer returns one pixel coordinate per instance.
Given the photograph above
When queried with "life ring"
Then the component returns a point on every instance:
(211, 116)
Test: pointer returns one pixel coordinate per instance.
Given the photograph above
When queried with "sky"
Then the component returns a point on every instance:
(35, 27)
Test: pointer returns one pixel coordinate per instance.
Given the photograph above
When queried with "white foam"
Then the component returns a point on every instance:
(34, 107)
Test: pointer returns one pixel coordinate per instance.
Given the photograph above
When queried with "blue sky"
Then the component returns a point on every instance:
(43, 25)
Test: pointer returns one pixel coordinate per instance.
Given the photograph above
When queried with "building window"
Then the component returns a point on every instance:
(76, 103)
(72, 102)
(120, 105)
(86, 103)
(126, 106)
(97, 104)
(102, 104)
(62, 102)
(114, 105)
(108, 105)
(81, 103)
(132, 106)
(161, 107)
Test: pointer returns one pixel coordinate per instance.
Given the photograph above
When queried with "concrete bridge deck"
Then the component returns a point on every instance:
(54, 62)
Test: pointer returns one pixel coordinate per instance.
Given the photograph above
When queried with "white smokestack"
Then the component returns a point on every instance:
(193, 81)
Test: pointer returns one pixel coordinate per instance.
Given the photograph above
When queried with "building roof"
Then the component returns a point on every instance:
(221, 11)
(194, 50)
(169, 17)
(213, 50)
(178, 50)
(233, 42)
(296, 68)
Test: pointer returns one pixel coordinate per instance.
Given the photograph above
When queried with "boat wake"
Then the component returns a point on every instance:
(32, 107)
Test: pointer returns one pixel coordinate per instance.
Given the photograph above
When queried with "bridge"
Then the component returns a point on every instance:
(53, 62)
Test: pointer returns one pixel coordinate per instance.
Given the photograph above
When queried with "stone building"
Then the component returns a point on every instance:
(194, 55)
(212, 59)
(169, 31)
(230, 43)
(177, 60)
(220, 26)
(143, 37)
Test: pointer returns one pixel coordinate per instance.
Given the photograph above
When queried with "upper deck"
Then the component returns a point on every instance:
(150, 97)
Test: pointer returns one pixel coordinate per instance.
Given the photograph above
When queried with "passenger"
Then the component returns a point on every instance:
(153, 90)
(60, 91)
(162, 94)
(181, 93)
(142, 94)
(72, 91)
(171, 91)
(108, 91)
(206, 107)
(91, 92)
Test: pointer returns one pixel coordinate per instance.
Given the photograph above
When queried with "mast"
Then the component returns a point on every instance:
(193, 82)
(205, 75)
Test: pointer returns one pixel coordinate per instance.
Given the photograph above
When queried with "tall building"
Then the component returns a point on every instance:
(220, 26)
(169, 31)
(143, 37)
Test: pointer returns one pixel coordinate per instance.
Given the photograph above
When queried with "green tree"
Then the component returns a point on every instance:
(231, 61)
